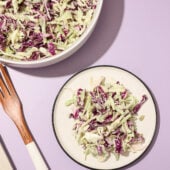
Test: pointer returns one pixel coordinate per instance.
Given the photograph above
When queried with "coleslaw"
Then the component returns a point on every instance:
(105, 119)
(36, 29)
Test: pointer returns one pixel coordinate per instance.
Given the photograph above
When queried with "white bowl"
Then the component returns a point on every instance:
(63, 55)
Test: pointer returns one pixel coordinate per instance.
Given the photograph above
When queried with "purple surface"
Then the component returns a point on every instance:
(134, 35)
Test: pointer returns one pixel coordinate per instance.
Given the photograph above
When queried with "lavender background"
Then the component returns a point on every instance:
(132, 34)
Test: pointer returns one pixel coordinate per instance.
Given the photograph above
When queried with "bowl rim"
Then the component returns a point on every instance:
(65, 54)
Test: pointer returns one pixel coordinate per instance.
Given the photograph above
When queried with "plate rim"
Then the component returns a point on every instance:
(152, 97)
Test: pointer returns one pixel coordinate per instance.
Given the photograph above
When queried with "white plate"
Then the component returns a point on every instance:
(63, 125)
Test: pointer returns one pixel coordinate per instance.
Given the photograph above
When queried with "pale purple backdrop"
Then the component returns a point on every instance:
(132, 34)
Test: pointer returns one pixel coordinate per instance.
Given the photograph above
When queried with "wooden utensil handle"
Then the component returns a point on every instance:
(24, 131)
(36, 157)
(32, 148)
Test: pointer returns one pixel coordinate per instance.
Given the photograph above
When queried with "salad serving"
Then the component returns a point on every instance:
(105, 120)
(36, 29)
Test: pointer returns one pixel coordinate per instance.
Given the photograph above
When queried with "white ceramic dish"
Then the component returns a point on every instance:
(63, 55)
(63, 125)
(4, 159)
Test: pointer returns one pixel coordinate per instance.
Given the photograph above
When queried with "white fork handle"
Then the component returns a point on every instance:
(36, 157)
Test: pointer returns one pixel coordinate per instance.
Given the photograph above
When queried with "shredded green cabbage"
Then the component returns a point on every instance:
(53, 25)
(105, 119)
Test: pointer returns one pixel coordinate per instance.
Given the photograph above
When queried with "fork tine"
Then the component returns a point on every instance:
(4, 90)
(1, 97)
(7, 79)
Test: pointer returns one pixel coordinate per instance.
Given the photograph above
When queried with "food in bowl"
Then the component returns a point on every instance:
(36, 29)
(105, 120)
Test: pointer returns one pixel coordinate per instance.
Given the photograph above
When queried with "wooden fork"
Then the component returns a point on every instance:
(13, 108)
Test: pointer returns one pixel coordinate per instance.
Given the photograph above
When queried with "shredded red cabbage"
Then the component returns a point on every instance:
(138, 106)
(106, 119)
(31, 30)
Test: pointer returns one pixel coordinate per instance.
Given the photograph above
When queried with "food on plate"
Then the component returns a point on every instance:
(105, 119)
(36, 29)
